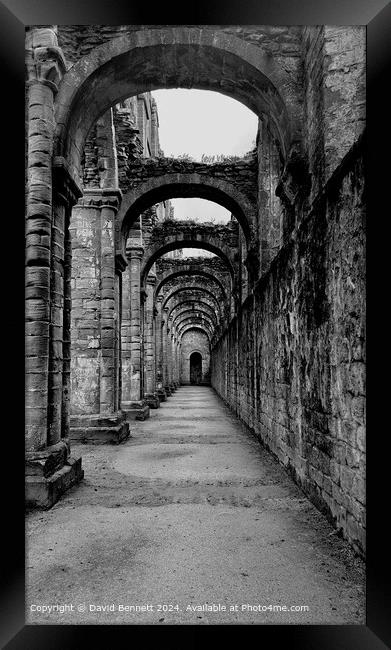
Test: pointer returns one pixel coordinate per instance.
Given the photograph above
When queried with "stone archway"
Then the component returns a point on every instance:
(205, 184)
(195, 370)
(192, 273)
(169, 57)
(178, 234)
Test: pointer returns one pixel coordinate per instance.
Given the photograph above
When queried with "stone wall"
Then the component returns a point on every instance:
(270, 209)
(194, 341)
(299, 338)
(334, 96)
(241, 174)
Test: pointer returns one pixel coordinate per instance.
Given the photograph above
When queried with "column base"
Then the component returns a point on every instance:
(173, 387)
(162, 395)
(98, 429)
(136, 410)
(50, 473)
(168, 390)
(152, 399)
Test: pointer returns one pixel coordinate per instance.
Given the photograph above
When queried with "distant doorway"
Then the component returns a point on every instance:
(195, 368)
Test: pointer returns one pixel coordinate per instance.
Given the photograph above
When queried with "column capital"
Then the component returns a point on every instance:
(64, 184)
(134, 252)
(151, 280)
(45, 61)
(252, 262)
(101, 198)
(120, 263)
(295, 179)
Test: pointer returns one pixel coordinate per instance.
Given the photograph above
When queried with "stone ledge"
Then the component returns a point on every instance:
(99, 428)
(43, 493)
(47, 461)
(97, 419)
(100, 435)
(136, 410)
(152, 399)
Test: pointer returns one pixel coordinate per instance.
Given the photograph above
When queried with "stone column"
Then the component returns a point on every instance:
(96, 416)
(126, 338)
(150, 393)
(173, 369)
(135, 406)
(65, 195)
(251, 262)
(170, 367)
(169, 357)
(175, 354)
(178, 359)
(177, 379)
(158, 350)
(166, 383)
(269, 204)
(108, 314)
(50, 470)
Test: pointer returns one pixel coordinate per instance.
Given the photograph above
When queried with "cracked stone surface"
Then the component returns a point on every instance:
(190, 511)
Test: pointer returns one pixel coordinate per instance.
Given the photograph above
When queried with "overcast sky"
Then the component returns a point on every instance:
(200, 122)
(197, 123)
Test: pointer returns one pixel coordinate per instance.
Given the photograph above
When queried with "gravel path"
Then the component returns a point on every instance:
(188, 522)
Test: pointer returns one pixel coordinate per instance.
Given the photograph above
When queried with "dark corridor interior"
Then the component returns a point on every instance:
(195, 368)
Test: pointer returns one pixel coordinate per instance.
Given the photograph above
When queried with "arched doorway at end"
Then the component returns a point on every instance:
(196, 368)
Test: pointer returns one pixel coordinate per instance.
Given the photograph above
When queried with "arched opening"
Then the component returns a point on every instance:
(167, 58)
(173, 185)
(195, 368)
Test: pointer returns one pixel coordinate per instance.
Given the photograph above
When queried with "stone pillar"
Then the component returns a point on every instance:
(108, 314)
(178, 356)
(268, 235)
(175, 359)
(96, 417)
(135, 406)
(65, 195)
(150, 393)
(50, 470)
(251, 263)
(170, 360)
(158, 350)
(166, 383)
(126, 342)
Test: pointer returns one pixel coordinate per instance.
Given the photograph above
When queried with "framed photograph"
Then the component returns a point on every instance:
(194, 303)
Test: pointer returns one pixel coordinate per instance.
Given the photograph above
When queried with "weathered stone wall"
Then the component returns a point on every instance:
(313, 48)
(291, 364)
(241, 174)
(193, 231)
(270, 209)
(194, 341)
(334, 96)
(128, 139)
(277, 40)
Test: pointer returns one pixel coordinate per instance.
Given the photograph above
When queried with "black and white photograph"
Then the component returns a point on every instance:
(195, 361)
(195, 325)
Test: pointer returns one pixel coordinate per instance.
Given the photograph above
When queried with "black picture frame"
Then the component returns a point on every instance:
(14, 16)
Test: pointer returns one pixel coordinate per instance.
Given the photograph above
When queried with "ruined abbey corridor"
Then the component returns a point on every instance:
(195, 423)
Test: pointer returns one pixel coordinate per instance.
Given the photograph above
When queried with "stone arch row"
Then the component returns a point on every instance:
(184, 302)
(62, 106)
